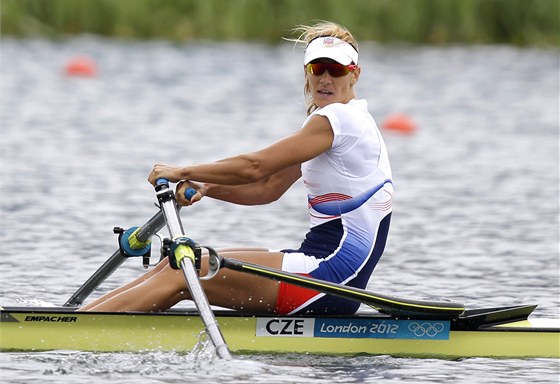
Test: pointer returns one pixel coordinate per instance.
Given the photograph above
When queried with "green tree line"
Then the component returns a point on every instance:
(518, 22)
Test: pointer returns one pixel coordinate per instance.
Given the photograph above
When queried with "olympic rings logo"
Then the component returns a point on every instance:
(426, 329)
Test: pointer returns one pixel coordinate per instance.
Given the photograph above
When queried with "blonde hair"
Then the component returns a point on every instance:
(308, 33)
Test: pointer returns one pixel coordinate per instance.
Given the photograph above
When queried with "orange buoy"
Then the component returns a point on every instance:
(399, 122)
(81, 66)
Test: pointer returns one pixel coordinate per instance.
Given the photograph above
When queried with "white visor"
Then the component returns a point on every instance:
(330, 48)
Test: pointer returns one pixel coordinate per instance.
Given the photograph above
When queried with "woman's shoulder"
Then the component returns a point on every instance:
(348, 118)
(350, 107)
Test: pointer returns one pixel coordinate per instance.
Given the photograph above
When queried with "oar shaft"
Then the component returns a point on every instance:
(175, 227)
(204, 310)
(390, 304)
(150, 228)
(171, 214)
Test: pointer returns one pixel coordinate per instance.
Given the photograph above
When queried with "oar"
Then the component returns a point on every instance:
(184, 255)
(141, 236)
(393, 305)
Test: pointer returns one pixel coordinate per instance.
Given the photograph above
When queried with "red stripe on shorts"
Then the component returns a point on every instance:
(292, 296)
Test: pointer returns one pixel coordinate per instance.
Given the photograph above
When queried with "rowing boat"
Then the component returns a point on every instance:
(491, 332)
(398, 327)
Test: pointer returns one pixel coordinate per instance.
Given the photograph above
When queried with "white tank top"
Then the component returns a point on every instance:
(353, 178)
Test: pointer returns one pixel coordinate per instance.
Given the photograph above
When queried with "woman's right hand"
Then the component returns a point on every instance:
(173, 174)
(183, 186)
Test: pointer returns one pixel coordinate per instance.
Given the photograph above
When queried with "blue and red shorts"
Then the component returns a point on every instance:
(332, 253)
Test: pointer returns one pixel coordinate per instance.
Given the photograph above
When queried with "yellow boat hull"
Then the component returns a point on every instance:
(40, 330)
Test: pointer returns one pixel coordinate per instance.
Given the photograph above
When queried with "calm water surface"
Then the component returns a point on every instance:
(476, 204)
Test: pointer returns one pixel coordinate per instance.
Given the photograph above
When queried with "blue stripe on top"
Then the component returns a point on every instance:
(338, 207)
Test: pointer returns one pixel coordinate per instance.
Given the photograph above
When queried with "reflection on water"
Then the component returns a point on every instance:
(476, 203)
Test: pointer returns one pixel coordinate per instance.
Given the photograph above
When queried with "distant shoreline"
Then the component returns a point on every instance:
(515, 22)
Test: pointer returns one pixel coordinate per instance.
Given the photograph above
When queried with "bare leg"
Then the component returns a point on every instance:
(123, 288)
(149, 274)
(165, 287)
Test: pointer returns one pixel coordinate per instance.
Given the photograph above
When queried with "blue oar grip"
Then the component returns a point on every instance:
(189, 193)
(161, 181)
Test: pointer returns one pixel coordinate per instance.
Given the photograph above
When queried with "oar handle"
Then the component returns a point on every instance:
(189, 192)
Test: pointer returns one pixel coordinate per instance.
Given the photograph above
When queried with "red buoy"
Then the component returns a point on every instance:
(399, 122)
(81, 66)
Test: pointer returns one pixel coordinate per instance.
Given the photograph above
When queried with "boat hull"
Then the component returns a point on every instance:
(63, 329)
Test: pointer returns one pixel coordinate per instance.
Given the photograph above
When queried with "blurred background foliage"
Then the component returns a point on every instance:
(517, 22)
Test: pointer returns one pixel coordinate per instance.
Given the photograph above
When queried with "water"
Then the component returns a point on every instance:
(476, 204)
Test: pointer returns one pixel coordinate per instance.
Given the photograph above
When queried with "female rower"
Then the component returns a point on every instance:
(342, 158)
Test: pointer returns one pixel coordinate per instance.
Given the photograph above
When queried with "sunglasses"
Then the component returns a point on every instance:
(335, 69)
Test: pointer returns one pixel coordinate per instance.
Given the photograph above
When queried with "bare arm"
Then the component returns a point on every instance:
(262, 192)
(271, 166)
